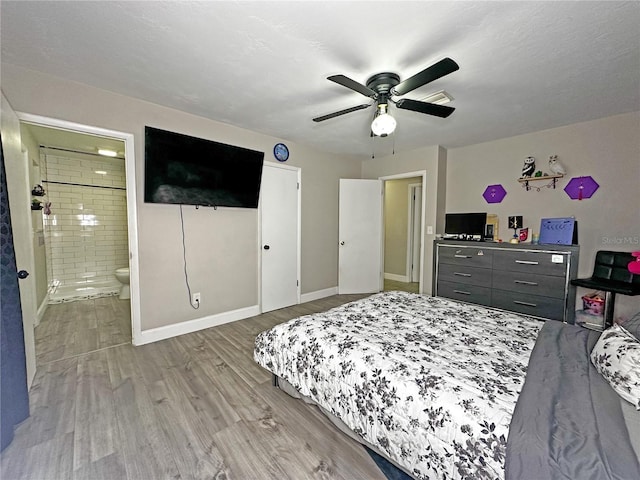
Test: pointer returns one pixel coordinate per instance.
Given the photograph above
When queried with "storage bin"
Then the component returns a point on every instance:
(593, 303)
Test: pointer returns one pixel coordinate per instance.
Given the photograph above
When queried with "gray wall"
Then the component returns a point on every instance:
(434, 161)
(222, 245)
(607, 149)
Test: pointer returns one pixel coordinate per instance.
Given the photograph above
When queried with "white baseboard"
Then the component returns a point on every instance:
(42, 309)
(318, 294)
(397, 278)
(162, 333)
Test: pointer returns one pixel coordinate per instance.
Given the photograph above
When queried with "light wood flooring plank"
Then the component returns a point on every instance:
(202, 396)
(189, 430)
(49, 460)
(113, 328)
(248, 456)
(110, 467)
(96, 434)
(144, 446)
(75, 328)
(241, 362)
(54, 383)
(317, 434)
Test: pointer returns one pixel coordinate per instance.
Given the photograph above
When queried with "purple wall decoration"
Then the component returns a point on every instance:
(494, 193)
(581, 187)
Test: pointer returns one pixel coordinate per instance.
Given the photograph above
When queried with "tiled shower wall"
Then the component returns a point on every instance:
(86, 232)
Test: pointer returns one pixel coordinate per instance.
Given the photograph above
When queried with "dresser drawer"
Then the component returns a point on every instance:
(465, 274)
(536, 305)
(529, 283)
(471, 256)
(531, 262)
(466, 293)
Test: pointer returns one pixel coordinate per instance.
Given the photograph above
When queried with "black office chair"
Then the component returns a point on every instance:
(611, 275)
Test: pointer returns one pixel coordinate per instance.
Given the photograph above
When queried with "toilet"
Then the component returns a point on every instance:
(122, 274)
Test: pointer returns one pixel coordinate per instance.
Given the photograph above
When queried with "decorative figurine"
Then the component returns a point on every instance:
(515, 222)
(529, 167)
(555, 166)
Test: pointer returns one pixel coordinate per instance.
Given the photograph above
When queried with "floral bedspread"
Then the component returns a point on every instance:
(431, 382)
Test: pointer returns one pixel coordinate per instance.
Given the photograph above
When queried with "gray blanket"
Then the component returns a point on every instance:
(568, 423)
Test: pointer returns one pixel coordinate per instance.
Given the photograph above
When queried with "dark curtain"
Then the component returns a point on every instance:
(14, 397)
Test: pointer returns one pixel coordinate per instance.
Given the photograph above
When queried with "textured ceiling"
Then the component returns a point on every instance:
(524, 66)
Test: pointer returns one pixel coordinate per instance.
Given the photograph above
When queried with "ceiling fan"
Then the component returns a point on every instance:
(381, 87)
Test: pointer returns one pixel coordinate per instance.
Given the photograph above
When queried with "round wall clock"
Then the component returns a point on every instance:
(281, 152)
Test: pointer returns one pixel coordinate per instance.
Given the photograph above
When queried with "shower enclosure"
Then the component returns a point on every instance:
(86, 229)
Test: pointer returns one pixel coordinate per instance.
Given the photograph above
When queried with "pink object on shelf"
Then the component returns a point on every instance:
(634, 265)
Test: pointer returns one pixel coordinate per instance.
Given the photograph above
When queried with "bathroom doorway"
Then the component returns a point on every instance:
(88, 227)
(83, 214)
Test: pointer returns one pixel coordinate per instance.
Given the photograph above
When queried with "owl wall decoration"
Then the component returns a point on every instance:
(529, 167)
(555, 166)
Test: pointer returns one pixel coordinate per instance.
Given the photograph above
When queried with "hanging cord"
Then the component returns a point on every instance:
(373, 147)
(184, 258)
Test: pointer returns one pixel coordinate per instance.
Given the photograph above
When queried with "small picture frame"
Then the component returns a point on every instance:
(492, 227)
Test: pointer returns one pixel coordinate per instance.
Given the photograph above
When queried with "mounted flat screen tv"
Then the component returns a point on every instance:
(186, 170)
(465, 225)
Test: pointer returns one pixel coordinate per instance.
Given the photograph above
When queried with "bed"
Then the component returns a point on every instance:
(432, 384)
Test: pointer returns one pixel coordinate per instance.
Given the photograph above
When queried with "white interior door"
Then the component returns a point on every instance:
(280, 233)
(19, 192)
(360, 236)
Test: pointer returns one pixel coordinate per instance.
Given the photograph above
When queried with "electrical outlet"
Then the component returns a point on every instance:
(195, 298)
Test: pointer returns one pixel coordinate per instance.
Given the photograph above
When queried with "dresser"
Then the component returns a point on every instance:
(523, 278)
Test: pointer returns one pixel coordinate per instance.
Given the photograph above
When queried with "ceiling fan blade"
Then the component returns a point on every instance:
(424, 107)
(434, 72)
(353, 85)
(341, 112)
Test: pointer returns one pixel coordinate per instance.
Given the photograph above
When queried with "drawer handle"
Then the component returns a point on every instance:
(462, 256)
(524, 282)
(526, 304)
(462, 274)
(462, 292)
(527, 262)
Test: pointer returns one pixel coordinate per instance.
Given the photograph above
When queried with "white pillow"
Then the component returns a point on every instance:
(616, 356)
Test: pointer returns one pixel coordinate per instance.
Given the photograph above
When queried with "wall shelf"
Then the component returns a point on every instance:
(551, 179)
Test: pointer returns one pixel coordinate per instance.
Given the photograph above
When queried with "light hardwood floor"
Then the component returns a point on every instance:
(75, 328)
(191, 407)
(411, 287)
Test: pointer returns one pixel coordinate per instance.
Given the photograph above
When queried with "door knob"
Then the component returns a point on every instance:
(22, 274)
(266, 247)
(341, 243)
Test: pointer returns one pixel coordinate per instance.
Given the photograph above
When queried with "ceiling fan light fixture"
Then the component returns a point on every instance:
(384, 124)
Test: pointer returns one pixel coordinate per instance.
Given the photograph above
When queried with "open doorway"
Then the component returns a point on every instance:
(403, 232)
(93, 276)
